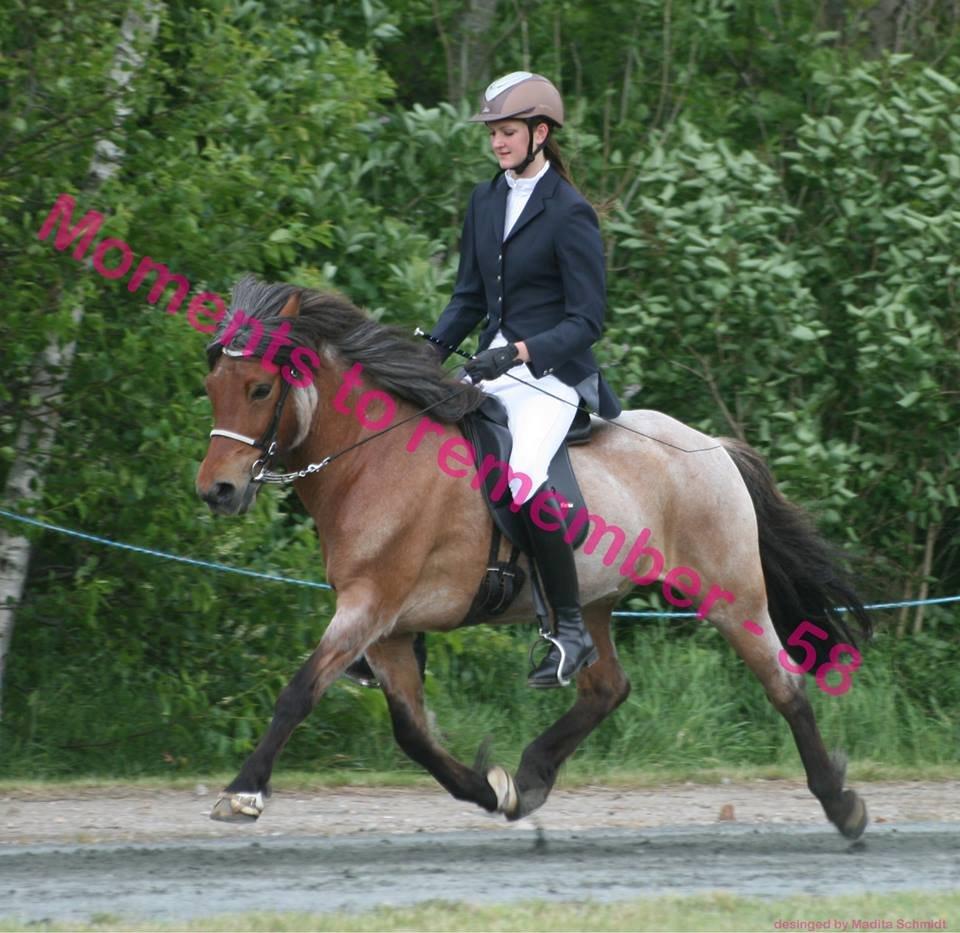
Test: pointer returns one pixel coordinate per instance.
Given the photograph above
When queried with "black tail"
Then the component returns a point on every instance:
(802, 572)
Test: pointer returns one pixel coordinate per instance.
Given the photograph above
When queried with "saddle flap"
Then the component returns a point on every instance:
(563, 481)
(486, 430)
(580, 430)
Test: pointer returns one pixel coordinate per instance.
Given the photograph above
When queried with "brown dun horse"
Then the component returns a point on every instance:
(406, 542)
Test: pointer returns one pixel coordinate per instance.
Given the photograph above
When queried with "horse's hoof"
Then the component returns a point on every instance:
(507, 798)
(856, 820)
(237, 808)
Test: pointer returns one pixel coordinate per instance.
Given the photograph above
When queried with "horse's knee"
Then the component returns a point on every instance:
(792, 703)
(787, 693)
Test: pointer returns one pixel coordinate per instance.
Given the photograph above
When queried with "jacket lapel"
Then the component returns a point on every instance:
(545, 189)
(499, 193)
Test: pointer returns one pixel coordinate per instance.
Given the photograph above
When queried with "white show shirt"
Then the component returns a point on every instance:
(519, 194)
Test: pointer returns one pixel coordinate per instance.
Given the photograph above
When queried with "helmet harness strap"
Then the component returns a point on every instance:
(532, 123)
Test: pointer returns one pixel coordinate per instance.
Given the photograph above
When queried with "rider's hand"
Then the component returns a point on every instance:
(489, 364)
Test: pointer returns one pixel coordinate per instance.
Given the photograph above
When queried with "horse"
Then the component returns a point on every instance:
(373, 440)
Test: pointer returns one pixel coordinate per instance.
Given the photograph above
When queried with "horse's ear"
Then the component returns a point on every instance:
(292, 307)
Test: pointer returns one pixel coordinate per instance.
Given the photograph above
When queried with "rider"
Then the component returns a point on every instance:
(532, 273)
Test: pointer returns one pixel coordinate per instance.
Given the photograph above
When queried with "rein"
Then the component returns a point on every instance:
(260, 472)
(696, 450)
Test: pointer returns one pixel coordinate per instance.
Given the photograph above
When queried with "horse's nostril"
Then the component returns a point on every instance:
(219, 493)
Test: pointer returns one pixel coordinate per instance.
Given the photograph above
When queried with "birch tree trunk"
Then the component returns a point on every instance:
(37, 435)
(475, 38)
(467, 45)
(886, 21)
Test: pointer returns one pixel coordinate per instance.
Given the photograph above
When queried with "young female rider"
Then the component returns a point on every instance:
(532, 272)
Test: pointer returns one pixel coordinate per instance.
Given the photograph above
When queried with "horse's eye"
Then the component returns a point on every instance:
(260, 391)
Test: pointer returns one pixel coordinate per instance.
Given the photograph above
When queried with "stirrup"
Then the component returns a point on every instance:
(360, 678)
(546, 635)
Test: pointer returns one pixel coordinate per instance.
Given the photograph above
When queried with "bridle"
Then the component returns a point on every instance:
(267, 442)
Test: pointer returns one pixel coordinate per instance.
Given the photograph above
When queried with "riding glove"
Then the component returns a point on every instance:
(489, 364)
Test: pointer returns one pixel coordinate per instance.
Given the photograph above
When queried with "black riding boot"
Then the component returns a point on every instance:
(572, 648)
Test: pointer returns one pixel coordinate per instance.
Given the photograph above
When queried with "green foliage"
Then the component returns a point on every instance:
(781, 222)
(693, 704)
(701, 256)
(880, 189)
(817, 315)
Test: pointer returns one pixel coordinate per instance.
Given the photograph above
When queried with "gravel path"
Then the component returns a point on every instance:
(134, 815)
(156, 856)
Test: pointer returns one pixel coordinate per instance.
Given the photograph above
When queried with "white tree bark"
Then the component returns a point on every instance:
(37, 434)
(473, 59)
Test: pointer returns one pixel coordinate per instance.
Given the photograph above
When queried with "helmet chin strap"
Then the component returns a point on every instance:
(532, 153)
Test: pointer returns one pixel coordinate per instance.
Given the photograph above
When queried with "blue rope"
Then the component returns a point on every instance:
(908, 602)
(326, 586)
(145, 550)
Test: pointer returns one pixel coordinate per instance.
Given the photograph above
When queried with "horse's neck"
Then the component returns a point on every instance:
(366, 463)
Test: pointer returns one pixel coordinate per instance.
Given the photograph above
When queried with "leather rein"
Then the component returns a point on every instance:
(260, 471)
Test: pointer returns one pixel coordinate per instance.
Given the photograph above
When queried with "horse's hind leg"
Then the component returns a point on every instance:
(786, 691)
(397, 669)
(601, 688)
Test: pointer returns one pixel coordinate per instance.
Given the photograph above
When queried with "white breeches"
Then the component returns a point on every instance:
(538, 422)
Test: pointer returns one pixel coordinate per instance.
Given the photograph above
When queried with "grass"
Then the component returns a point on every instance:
(715, 911)
(694, 710)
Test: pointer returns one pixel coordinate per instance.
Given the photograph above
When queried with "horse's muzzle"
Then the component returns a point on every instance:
(226, 499)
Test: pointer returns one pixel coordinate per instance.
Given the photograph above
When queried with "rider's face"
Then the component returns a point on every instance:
(509, 140)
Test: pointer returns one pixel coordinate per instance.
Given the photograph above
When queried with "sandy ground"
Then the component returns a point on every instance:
(133, 815)
(131, 855)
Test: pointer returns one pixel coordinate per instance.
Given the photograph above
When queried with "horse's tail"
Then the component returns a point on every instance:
(804, 576)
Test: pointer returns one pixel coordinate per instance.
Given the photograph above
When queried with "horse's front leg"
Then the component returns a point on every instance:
(359, 618)
(395, 664)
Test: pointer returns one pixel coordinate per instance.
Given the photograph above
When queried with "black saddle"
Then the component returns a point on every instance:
(487, 431)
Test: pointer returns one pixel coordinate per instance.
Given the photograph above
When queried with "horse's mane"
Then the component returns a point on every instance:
(390, 359)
